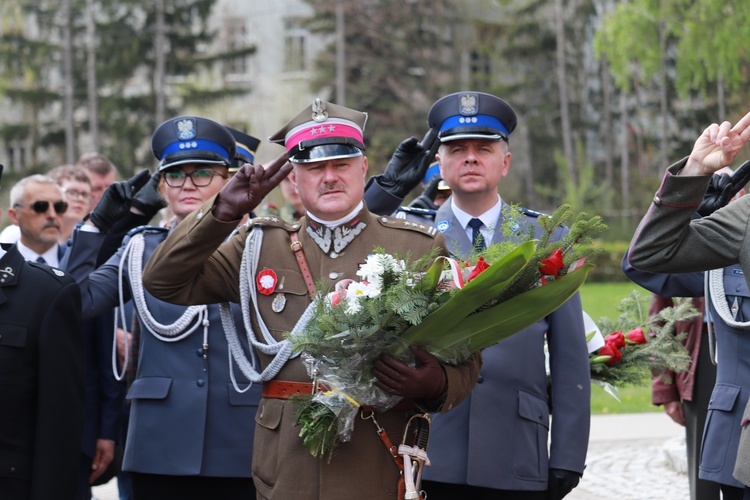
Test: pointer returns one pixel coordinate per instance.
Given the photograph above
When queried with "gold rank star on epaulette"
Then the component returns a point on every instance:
(408, 224)
(274, 221)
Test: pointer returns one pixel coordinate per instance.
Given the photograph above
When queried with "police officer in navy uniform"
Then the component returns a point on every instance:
(190, 433)
(41, 379)
(494, 445)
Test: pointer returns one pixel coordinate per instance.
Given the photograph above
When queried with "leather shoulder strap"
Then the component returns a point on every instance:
(302, 263)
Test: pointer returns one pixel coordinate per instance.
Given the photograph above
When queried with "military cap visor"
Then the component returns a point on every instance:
(325, 152)
(472, 115)
(191, 139)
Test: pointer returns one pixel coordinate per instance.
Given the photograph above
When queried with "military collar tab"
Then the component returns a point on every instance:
(10, 267)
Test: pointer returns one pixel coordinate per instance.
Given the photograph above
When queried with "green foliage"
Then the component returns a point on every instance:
(608, 262)
(636, 36)
(576, 243)
(709, 45)
(585, 194)
(398, 62)
(29, 74)
(664, 349)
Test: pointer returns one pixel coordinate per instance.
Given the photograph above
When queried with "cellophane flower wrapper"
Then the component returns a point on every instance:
(452, 309)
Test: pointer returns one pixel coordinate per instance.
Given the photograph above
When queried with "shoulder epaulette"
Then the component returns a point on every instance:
(274, 221)
(416, 210)
(407, 224)
(529, 212)
(147, 229)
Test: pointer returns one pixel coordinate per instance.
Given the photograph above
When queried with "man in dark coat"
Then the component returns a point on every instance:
(41, 380)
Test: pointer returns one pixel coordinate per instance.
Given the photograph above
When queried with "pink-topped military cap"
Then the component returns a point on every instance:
(323, 131)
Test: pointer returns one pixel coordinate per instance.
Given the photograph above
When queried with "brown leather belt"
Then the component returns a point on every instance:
(282, 389)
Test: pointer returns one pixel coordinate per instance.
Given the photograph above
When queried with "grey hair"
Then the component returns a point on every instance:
(18, 191)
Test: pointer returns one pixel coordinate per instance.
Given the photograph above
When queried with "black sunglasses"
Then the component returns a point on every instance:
(42, 206)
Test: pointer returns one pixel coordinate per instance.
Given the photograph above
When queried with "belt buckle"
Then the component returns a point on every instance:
(296, 246)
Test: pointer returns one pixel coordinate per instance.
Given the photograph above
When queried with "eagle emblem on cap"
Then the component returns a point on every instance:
(319, 113)
(468, 104)
(185, 129)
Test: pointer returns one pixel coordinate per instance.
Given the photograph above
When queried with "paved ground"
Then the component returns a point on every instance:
(634, 457)
(631, 457)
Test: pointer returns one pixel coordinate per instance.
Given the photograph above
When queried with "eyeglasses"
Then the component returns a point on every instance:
(77, 195)
(200, 178)
(42, 206)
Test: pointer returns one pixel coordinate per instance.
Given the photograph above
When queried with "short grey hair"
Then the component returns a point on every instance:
(18, 191)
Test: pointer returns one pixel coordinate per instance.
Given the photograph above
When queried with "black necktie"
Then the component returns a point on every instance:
(41, 260)
(477, 240)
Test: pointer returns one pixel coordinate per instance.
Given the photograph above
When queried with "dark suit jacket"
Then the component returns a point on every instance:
(41, 380)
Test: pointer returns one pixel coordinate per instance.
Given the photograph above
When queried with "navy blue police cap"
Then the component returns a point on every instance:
(192, 139)
(472, 115)
(247, 145)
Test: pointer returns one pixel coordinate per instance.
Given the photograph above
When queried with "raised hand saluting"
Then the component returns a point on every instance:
(248, 187)
(717, 147)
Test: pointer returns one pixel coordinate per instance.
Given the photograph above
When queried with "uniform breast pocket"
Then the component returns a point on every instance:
(12, 336)
(150, 388)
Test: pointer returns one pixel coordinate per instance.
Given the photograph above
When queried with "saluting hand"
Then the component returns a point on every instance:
(718, 146)
(248, 187)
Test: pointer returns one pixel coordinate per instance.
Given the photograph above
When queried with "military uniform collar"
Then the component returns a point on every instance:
(333, 241)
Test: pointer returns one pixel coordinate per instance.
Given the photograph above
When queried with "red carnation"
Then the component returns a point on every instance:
(552, 265)
(617, 339)
(612, 351)
(478, 269)
(637, 336)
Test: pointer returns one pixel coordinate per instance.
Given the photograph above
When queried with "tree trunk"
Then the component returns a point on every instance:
(340, 54)
(663, 100)
(160, 62)
(91, 75)
(609, 146)
(720, 97)
(70, 153)
(562, 86)
(624, 156)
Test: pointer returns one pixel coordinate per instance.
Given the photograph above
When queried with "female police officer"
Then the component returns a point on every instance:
(191, 422)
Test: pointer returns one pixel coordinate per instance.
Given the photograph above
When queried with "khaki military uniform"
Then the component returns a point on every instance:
(188, 269)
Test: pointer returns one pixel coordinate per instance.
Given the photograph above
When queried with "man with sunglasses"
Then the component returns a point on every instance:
(41, 369)
(36, 207)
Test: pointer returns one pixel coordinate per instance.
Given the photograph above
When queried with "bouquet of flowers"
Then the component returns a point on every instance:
(451, 309)
(630, 355)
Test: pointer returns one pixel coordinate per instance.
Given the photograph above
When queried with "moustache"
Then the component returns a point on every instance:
(326, 187)
(51, 224)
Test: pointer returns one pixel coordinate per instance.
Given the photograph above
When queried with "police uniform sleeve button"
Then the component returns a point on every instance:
(199, 352)
(657, 201)
(480, 379)
(200, 382)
